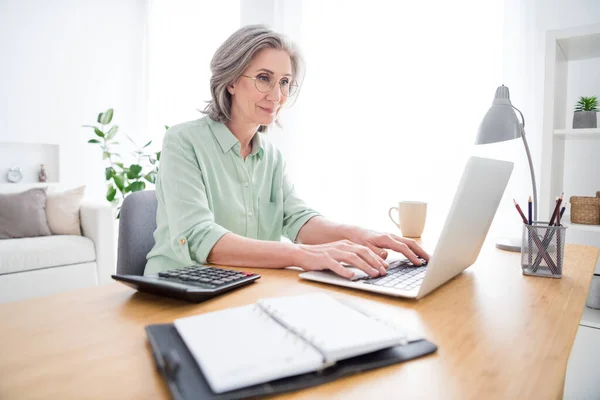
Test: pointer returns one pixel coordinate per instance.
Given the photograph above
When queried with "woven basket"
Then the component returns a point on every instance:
(585, 210)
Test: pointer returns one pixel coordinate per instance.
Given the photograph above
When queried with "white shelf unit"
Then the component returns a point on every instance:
(581, 227)
(28, 157)
(570, 157)
(575, 134)
(21, 187)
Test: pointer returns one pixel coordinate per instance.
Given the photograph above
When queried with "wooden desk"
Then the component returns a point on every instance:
(500, 335)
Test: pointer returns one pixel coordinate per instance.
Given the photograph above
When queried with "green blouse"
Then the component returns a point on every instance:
(205, 189)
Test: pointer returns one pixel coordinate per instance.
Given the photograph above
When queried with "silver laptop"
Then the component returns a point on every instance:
(473, 208)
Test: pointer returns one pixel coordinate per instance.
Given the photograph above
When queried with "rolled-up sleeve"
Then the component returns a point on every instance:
(184, 194)
(295, 212)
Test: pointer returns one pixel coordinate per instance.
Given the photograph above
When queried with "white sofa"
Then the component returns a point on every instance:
(39, 266)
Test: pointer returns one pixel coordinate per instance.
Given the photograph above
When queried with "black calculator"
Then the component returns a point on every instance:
(194, 283)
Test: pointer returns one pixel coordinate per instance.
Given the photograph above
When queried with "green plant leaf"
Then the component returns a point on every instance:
(134, 171)
(136, 186)
(99, 132)
(587, 104)
(110, 194)
(106, 117)
(158, 155)
(150, 177)
(167, 127)
(112, 132)
(118, 179)
(93, 141)
(100, 118)
(147, 144)
(87, 126)
(109, 172)
(120, 165)
(105, 155)
(131, 140)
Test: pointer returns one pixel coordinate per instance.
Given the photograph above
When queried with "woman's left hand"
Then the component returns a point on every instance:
(379, 242)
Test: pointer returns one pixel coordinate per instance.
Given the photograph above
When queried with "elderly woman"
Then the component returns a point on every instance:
(223, 193)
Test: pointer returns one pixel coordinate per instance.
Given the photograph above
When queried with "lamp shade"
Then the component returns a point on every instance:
(500, 122)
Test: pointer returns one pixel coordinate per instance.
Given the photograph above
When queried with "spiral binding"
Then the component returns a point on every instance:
(269, 312)
(317, 343)
(299, 334)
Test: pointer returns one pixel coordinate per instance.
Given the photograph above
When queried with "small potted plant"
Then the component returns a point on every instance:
(585, 113)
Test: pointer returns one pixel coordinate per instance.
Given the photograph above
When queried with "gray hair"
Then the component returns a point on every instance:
(233, 57)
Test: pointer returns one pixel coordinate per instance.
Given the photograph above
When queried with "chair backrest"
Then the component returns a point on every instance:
(136, 231)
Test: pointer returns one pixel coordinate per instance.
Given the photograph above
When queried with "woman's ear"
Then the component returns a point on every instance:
(231, 88)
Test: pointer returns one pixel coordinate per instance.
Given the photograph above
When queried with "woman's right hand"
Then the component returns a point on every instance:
(332, 255)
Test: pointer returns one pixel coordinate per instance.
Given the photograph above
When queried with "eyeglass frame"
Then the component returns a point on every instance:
(255, 78)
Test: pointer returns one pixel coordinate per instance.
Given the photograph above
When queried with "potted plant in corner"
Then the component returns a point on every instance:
(585, 113)
(123, 178)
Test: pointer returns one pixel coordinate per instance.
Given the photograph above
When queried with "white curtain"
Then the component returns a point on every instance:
(390, 104)
(391, 101)
(182, 38)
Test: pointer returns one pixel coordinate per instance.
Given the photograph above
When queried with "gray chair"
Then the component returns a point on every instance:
(136, 232)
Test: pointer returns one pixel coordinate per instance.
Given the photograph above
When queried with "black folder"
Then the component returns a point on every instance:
(186, 381)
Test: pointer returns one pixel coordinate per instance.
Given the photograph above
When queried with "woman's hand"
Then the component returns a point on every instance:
(379, 242)
(332, 255)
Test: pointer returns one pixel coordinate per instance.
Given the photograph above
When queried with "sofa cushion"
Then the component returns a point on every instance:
(23, 214)
(27, 254)
(62, 211)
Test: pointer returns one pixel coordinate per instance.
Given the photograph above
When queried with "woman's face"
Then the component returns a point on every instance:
(253, 106)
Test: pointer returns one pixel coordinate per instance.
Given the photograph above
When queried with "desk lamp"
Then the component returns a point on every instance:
(499, 124)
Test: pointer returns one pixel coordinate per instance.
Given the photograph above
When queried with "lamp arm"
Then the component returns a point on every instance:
(535, 214)
(522, 117)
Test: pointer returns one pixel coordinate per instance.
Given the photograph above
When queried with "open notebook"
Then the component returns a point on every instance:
(281, 337)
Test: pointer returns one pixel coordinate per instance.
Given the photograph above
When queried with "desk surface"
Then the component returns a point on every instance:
(500, 334)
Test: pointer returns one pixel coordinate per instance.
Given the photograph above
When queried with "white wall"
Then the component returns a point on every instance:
(63, 62)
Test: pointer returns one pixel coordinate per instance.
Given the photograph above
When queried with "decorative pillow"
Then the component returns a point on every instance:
(23, 214)
(62, 211)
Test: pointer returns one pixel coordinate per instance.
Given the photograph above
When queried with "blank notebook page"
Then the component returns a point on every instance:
(243, 346)
(338, 330)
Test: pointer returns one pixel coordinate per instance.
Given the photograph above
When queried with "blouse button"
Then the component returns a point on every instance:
(246, 184)
(182, 241)
(249, 213)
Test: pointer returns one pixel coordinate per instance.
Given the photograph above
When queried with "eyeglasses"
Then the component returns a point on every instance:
(265, 83)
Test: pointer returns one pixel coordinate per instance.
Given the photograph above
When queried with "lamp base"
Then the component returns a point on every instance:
(509, 244)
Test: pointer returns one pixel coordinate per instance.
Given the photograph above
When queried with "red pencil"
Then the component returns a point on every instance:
(521, 212)
(556, 210)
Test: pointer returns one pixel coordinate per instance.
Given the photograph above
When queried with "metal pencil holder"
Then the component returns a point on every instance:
(543, 249)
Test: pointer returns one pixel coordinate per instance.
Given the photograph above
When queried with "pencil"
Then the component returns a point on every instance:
(548, 235)
(520, 212)
(529, 210)
(556, 210)
(559, 215)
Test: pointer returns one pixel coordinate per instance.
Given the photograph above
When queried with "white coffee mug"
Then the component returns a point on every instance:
(412, 216)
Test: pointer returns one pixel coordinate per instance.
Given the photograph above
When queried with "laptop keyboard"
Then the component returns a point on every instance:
(401, 274)
(204, 276)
